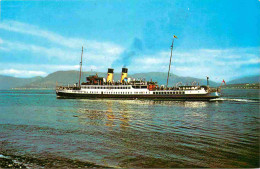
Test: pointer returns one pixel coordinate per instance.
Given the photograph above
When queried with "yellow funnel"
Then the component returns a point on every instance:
(124, 74)
(110, 75)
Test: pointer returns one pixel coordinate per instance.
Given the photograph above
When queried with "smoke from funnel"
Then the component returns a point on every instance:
(137, 44)
(129, 54)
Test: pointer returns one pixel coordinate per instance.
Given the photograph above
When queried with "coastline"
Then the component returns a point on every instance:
(32, 89)
(14, 161)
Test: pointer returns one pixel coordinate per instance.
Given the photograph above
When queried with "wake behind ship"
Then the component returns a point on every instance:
(127, 88)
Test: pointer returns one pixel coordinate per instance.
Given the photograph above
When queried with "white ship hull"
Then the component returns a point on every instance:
(128, 92)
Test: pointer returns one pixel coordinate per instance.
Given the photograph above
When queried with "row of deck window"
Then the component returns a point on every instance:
(96, 92)
(168, 92)
(159, 93)
(105, 87)
(125, 92)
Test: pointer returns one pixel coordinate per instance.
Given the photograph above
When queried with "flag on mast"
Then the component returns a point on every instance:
(175, 36)
(224, 82)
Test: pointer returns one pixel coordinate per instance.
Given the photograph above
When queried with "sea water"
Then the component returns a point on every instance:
(37, 130)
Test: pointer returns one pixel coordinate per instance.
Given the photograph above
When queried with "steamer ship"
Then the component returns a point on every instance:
(128, 88)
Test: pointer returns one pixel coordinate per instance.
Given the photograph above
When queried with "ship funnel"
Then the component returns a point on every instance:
(123, 75)
(110, 75)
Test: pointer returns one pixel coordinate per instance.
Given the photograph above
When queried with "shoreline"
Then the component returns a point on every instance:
(14, 161)
(31, 89)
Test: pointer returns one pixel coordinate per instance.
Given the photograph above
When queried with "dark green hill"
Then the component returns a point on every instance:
(249, 79)
(8, 82)
(71, 77)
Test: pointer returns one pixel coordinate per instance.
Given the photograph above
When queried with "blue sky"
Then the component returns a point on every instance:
(220, 39)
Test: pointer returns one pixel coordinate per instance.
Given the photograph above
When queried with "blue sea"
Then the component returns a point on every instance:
(39, 130)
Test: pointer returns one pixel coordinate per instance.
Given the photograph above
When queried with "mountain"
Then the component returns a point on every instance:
(62, 78)
(71, 77)
(249, 79)
(161, 78)
(8, 82)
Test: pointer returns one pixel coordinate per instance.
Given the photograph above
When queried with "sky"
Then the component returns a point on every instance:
(216, 38)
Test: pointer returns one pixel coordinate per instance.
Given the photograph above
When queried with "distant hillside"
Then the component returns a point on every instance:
(71, 77)
(161, 78)
(62, 77)
(242, 86)
(249, 79)
(8, 82)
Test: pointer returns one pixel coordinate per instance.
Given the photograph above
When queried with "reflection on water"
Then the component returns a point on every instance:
(96, 117)
(132, 133)
(191, 104)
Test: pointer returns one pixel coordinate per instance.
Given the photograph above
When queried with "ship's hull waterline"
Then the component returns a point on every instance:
(181, 97)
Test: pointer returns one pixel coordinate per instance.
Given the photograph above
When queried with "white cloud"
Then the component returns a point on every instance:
(64, 55)
(40, 51)
(216, 63)
(23, 28)
(64, 49)
(74, 43)
(48, 68)
(22, 73)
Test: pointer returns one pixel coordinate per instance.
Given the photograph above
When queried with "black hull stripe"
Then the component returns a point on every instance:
(147, 96)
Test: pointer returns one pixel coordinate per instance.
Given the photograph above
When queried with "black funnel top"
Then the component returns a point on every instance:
(110, 70)
(124, 70)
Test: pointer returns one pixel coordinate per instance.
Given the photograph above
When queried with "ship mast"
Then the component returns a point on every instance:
(170, 61)
(80, 66)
